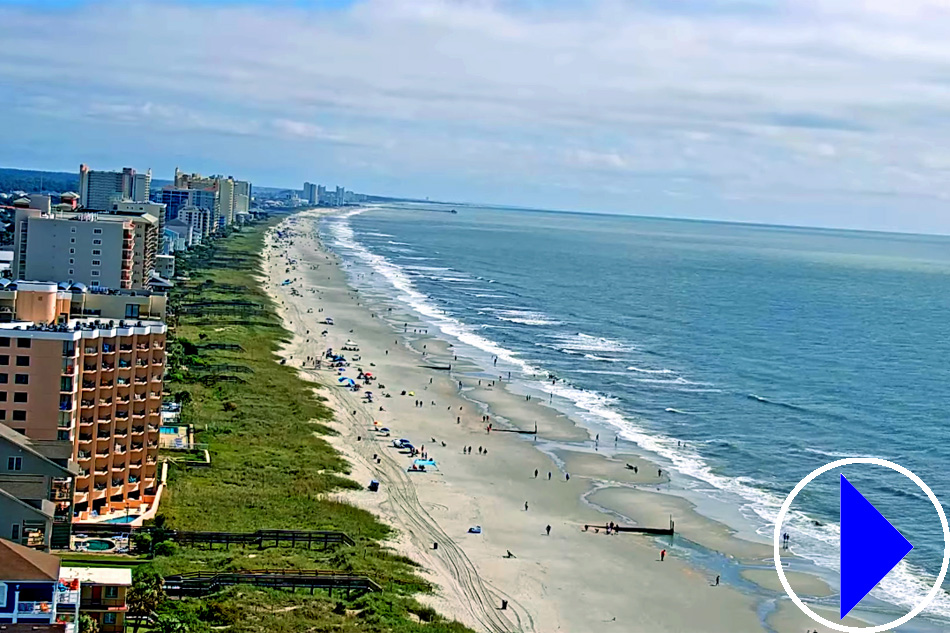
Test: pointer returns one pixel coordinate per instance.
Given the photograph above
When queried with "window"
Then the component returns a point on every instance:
(71, 271)
(72, 251)
(72, 230)
(72, 240)
(14, 463)
(24, 342)
(96, 252)
(4, 341)
(69, 348)
(63, 435)
(72, 261)
(96, 262)
(15, 535)
(97, 242)
(131, 311)
(4, 359)
(108, 618)
(97, 231)
(22, 379)
(111, 592)
(19, 416)
(3, 396)
(4, 379)
(95, 273)
(94, 283)
(19, 396)
(22, 361)
(3, 414)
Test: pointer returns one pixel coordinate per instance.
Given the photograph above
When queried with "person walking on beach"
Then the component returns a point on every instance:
(535, 473)
(549, 475)
(717, 581)
(662, 555)
(567, 476)
(525, 506)
(548, 530)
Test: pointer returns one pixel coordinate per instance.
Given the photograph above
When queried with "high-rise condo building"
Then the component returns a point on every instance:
(310, 193)
(242, 196)
(103, 353)
(94, 249)
(98, 190)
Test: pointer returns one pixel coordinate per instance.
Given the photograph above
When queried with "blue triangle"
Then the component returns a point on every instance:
(870, 547)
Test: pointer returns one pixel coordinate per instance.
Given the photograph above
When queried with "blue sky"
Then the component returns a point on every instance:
(813, 112)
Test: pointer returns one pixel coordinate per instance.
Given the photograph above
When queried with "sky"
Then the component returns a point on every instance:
(806, 112)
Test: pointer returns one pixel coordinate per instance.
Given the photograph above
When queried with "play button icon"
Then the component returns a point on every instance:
(870, 547)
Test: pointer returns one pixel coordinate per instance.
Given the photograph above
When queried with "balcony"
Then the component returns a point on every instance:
(137, 446)
(118, 468)
(118, 483)
(138, 430)
(86, 421)
(100, 487)
(158, 361)
(103, 436)
(33, 608)
(141, 362)
(85, 438)
(153, 444)
(122, 400)
(122, 382)
(102, 471)
(89, 369)
(108, 349)
(140, 396)
(84, 455)
(121, 415)
(102, 453)
(91, 350)
(119, 433)
(67, 597)
(88, 385)
(87, 404)
(141, 380)
(108, 367)
(66, 406)
(150, 460)
(158, 345)
(133, 479)
(124, 364)
(157, 378)
(142, 346)
(69, 369)
(136, 464)
(125, 347)
(155, 395)
(105, 402)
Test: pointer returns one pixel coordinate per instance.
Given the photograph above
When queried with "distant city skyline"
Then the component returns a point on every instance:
(781, 112)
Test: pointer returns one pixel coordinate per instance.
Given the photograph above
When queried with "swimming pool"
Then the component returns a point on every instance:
(122, 519)
(99, 545)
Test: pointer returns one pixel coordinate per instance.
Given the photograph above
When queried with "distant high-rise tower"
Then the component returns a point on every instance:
(99, 190)
(310, 193)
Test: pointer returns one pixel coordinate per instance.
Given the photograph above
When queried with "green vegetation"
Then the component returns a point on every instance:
(270, 469)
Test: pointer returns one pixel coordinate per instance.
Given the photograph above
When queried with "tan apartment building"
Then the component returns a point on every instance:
(149, 225)
(103, 594)
(103, 353)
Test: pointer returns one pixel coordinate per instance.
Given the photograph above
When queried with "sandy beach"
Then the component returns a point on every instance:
(569, 580)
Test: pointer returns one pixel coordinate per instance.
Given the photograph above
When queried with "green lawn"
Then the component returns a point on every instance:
(270, 466)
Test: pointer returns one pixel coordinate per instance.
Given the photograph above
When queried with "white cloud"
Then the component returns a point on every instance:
(801, 96)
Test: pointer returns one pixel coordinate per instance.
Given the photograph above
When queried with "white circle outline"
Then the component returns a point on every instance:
(881, 628)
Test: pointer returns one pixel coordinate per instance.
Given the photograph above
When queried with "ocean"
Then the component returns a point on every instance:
(741, 356)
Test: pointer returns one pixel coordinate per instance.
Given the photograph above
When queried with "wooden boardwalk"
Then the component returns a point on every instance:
(196, 584)
(263, 538)
(260, 538)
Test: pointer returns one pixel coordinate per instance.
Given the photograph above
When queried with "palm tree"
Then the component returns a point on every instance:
(87, 624)
(145, 597)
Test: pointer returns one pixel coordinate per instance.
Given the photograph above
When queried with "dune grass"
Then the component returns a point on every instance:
(270, 467)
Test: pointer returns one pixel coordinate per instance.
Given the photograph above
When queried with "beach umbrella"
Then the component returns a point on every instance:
(342, 378)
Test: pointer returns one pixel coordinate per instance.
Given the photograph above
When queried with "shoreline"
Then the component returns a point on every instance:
(600, 489)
